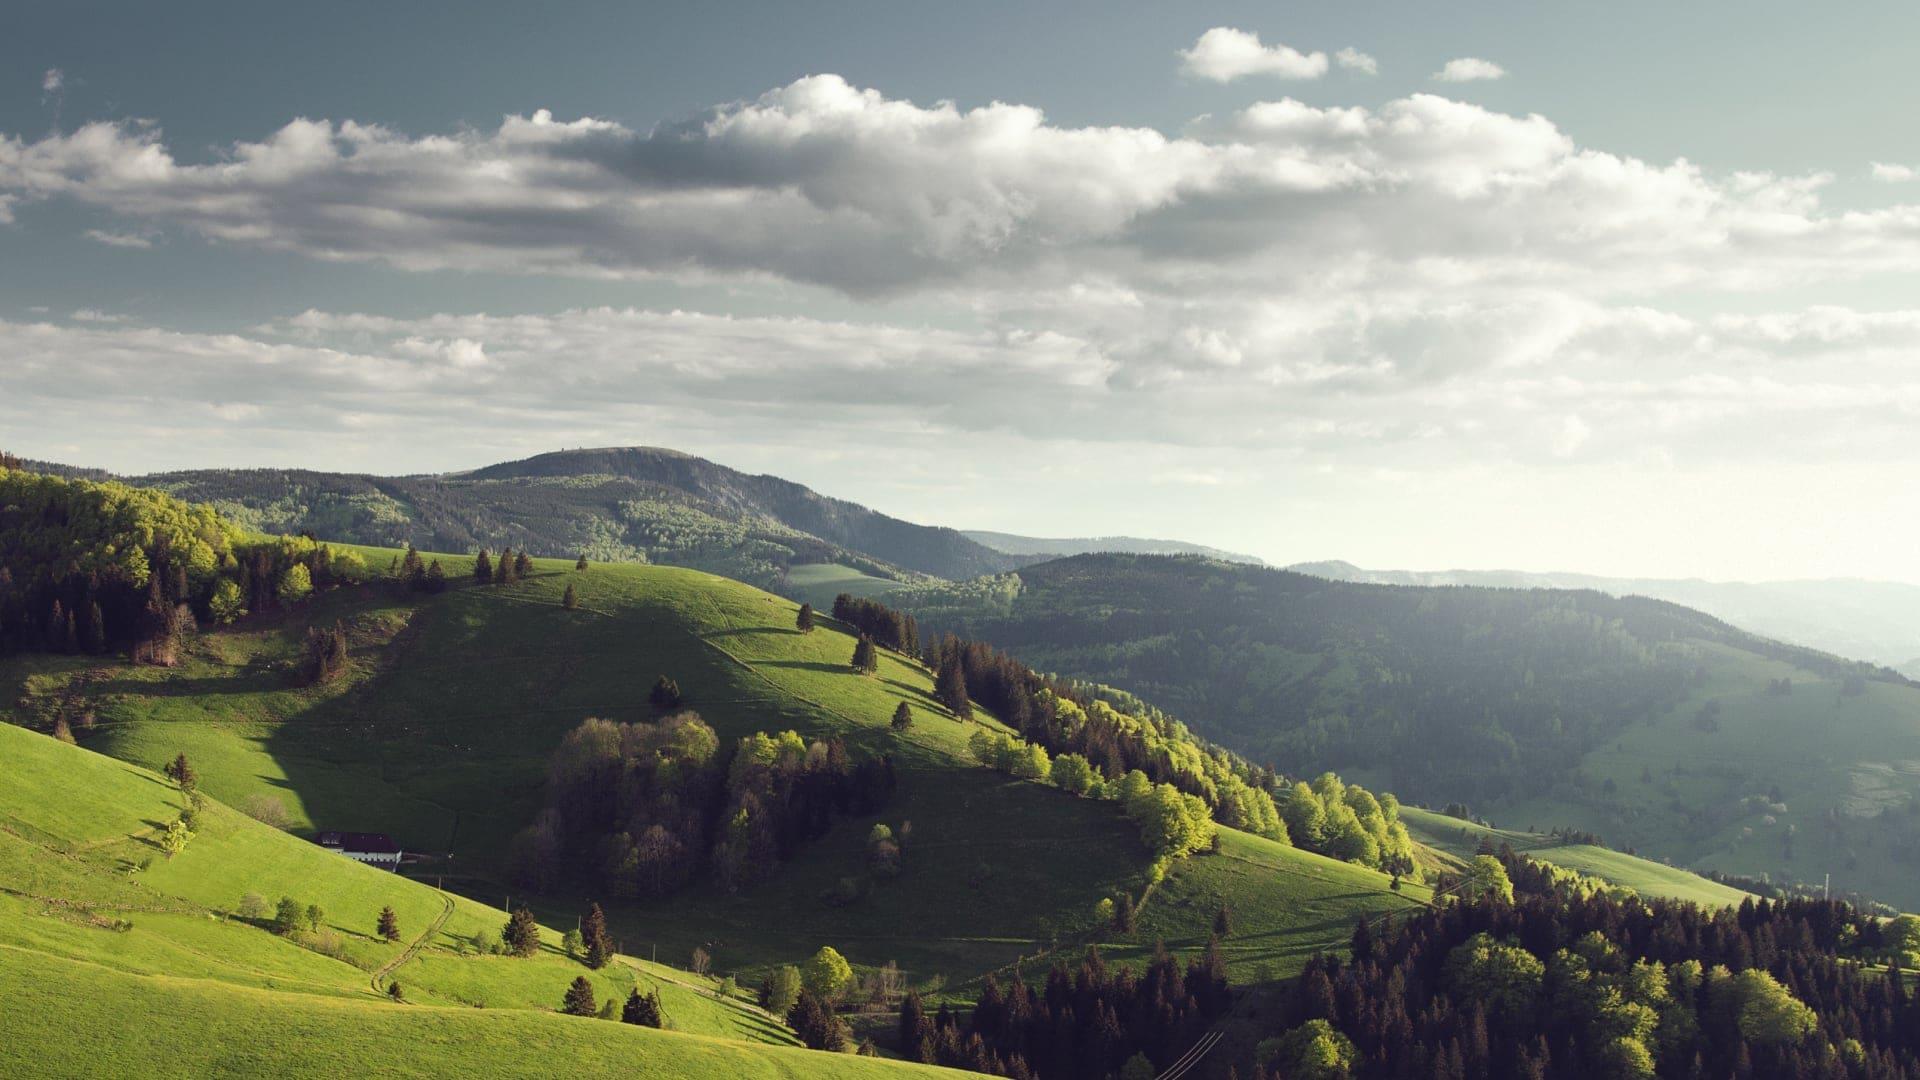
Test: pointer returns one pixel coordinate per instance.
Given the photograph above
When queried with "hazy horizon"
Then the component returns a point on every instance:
(1619, 292)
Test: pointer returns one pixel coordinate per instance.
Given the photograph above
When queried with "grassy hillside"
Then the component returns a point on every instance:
(1653, 725)
(440, 733)
(819, 583)
(96, 920)
(1461, 838)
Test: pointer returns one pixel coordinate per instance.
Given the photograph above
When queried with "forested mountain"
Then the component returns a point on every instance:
(1650, 723)
(635, 504)
(1878, 621)
(1087, 545)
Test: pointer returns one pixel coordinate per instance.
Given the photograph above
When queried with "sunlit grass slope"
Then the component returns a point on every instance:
(1648, 878)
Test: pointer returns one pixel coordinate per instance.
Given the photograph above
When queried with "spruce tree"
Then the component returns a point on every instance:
(503, 569)
(866, 660)
(393, 991)
(571, 599)
(581, 563)
(482, 568)
(522, 935)
(389, 924)
(1223, 920)
(593, 932)
(902, 717)
(579, 1000)
(181, 772)
(804, 621)
(522, 565)
(641, 1009)
(951, 687)
(436, 580)
(665, 694)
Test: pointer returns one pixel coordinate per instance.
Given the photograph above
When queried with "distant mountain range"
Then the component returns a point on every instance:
(1877, 621)
(1088, 545)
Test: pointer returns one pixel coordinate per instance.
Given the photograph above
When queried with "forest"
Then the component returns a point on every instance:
(1462, 693)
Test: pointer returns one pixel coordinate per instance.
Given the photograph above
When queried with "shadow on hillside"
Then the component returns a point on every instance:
(804, 665)
(245, 681)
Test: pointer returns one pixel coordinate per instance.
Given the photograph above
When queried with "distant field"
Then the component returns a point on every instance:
(1644, 876)
(819, 583)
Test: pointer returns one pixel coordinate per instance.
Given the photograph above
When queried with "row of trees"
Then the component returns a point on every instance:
(1576, 982)
(1091, 1023)
(640, 809)
(888, 628)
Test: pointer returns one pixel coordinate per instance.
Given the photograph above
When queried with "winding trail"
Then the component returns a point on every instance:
(413, 949)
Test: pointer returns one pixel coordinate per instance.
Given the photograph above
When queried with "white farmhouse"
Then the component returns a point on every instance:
(375, 848)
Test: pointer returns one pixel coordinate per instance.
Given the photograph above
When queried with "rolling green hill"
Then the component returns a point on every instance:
(635, 504)
(440, 733)
(96, 921)
(1461, 838)
(1653, 725)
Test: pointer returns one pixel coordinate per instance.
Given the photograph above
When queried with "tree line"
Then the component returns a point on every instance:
(1570, 981)
(641, 809)
(1085, 1024)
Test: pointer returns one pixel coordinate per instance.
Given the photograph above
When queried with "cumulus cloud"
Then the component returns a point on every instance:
(52, 82)
(1893, 174)
(1470, 69)
(1353, 59)
(1224, 54)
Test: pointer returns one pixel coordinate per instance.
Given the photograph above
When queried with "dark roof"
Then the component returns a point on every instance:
(371, 842)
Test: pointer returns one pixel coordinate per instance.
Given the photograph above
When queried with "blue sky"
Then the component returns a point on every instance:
(1048, 268)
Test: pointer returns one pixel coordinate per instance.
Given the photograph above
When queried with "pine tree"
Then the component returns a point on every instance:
(804, 621)
(593, 932)
(951, 687)
(902, 717)
(522, 935)
(866, 659)
(665, 694)
(579, 1000)
(571, 599)
(482, 568)
(389, 924)
(642, 1009)
(181, 772)
(581, 564)
(436, 580)
(522, 565)
(503, 569)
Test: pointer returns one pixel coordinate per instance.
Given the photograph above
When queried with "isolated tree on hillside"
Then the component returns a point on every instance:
(902, 717)
(503, 569)
(593, 934)
(804, 621)
(287, 915)
(666, 694)
(173, 839)
(315, 916)
(570, 599)
(180, 771)
(866, 660)
(482, 568)
(579, 1000)
(581, 563)
(522, 934)
(436, 580)
(522, 565)
(951, 688)
(1223, 920)
(641, 1009)
(827, 974)
(389, 924)
(394, 992)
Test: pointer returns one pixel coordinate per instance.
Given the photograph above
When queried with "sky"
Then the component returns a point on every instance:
(1622, 289)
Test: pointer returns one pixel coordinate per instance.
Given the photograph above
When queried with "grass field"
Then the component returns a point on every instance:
(819, 583)
(1646, 877)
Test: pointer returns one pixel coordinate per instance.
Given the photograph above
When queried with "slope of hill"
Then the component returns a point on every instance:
(1086, 545)
(1658, 727)
(440, 733)
(1876, 621)
(1461, 838)
(95, 920)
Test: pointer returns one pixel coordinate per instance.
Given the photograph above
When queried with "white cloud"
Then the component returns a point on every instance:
(112, 238)
(1470, 69)
(1893, 174)
(1353, 59)
(52, 82)
(1224, 54)
(94, 315)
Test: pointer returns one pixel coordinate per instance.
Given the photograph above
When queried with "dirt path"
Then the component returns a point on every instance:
(413, 950)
